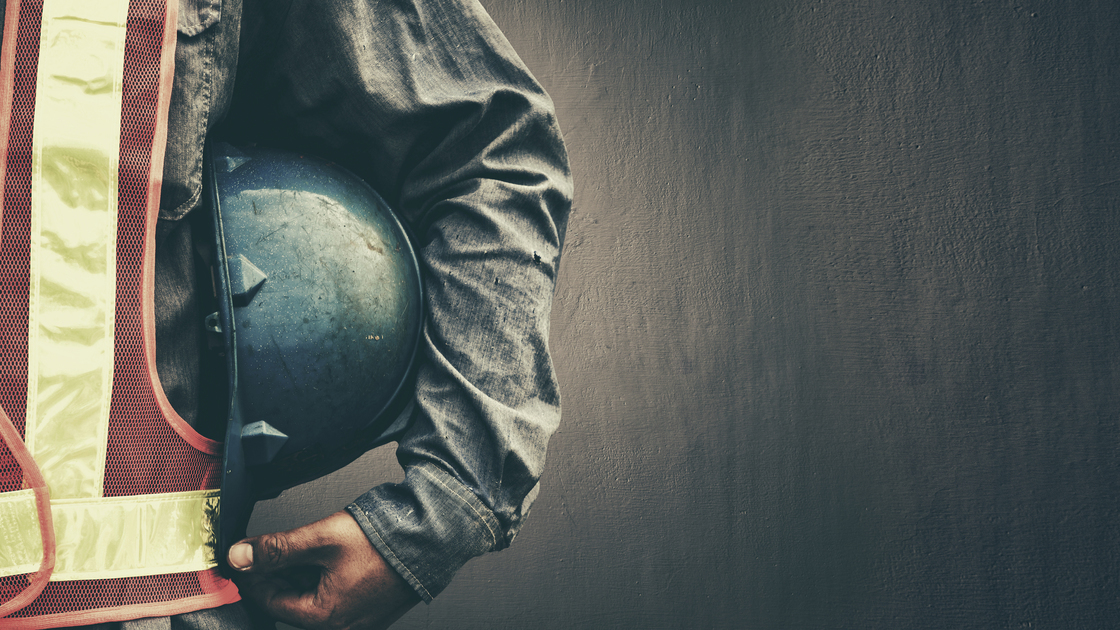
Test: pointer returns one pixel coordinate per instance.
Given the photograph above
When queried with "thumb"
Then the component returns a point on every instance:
(272, 552)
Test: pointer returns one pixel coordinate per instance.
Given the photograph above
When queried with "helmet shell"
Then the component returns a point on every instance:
(324, 301)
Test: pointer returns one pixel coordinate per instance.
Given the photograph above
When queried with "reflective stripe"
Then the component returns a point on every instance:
(117, 537)
(108, 538)
(73, 241)
(22, 551)
(130, 536)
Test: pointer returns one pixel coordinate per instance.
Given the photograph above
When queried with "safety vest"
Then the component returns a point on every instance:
(107, 497)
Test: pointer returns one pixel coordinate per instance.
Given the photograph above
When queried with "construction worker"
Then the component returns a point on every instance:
(424, 100)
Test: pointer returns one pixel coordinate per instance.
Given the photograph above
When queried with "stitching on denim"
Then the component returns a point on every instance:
(397, 560)
(493, 536)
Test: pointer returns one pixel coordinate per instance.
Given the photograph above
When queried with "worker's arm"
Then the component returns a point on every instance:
(428, 102)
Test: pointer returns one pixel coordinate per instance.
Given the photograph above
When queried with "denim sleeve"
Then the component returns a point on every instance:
(428, 102)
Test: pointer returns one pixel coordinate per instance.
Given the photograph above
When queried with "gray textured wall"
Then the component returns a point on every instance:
(837, 323)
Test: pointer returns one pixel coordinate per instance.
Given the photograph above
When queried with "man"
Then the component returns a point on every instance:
(426, 101)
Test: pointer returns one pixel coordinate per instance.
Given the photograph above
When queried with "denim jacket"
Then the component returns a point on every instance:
(427, 101)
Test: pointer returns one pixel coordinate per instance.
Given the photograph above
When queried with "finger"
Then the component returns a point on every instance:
(285, 601)
(272, 552)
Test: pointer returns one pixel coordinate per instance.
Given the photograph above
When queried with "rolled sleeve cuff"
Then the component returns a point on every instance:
(428, 527)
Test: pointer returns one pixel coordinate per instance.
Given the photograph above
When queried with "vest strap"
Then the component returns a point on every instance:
(112, 537)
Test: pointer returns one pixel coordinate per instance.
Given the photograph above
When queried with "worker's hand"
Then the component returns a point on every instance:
(325, 575)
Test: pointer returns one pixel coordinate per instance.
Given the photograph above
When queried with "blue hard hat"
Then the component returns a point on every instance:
(320, 307)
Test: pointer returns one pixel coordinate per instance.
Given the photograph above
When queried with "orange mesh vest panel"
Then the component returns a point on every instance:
(106, 495)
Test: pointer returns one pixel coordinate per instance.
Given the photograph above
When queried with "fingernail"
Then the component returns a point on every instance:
(241, 556)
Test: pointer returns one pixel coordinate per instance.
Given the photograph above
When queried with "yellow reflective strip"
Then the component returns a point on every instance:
(21, 546)
(131, 536)
(73, 241)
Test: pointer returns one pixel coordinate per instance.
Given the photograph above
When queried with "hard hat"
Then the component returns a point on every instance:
(319, 314)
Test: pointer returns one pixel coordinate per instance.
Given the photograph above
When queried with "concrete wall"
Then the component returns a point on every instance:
(837, 325)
